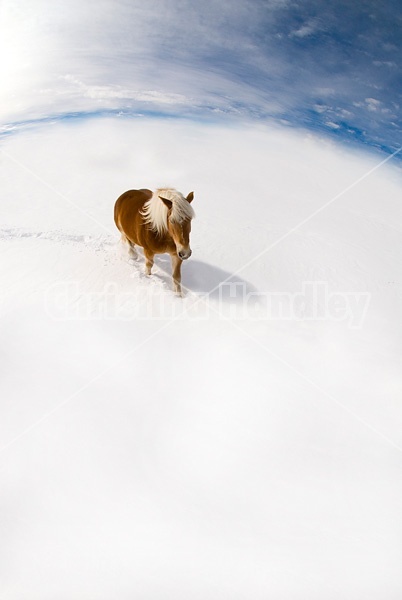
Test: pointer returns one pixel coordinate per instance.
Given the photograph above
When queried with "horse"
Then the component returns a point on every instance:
(159, 222)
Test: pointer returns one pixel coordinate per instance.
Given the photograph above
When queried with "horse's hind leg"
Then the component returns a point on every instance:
(130, 247)
(132, 250)
(149, 261)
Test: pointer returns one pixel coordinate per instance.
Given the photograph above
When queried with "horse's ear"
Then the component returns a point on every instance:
(190, 197)
(168, 203)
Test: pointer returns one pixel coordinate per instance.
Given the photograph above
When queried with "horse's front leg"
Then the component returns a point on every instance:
(149, 261)
(176, 273)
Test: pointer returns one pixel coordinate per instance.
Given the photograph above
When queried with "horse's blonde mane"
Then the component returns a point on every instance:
(155, 210)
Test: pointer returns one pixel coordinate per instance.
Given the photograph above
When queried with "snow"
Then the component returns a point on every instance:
(156, 447)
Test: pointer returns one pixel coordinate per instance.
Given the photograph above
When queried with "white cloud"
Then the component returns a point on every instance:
(321, 108)
(104, 92)
(181, 57)
(385, 63)
(373, 104)
(309, 28)
(78, 56)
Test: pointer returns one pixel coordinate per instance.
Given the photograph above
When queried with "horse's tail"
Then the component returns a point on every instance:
(117, 210)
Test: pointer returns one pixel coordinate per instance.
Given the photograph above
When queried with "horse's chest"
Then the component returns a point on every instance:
(158, 244)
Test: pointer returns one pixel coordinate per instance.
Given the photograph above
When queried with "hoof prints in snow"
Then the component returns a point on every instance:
(97, 243)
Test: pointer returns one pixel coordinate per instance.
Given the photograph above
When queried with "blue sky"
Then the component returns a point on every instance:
(327, 66)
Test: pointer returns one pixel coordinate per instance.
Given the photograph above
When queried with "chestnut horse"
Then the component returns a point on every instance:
(159, 222)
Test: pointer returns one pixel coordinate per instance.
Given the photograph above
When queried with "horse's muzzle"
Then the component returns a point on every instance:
(184, 254)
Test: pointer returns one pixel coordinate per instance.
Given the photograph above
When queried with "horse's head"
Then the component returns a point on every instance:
(179, 226)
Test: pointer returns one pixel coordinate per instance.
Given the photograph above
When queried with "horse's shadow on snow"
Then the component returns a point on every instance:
(202, 278)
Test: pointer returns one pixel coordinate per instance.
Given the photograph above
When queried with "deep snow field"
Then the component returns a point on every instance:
(202, 448)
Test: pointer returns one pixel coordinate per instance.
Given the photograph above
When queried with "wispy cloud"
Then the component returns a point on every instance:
(308, 28)
(275, 58)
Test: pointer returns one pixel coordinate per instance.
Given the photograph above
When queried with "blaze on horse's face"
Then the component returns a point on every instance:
(180, 232)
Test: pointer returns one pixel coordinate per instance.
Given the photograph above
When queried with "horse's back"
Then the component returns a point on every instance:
(128, 207)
